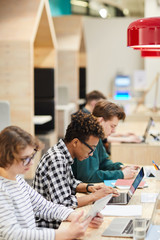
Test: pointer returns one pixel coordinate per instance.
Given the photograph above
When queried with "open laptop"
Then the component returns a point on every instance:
(124, 198)
(123, 227)
(144, 137)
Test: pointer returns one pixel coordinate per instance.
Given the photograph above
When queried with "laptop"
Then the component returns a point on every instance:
(144, 137)
(150, 123)
(124, 198)
(123, 227)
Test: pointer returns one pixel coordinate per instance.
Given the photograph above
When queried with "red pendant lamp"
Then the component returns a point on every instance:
(150, 53)
(144, 34)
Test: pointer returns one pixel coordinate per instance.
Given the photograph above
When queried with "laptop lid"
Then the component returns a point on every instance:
(136, 182)
(150, 123)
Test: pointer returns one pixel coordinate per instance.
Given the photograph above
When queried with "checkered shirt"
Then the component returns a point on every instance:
(55, 181)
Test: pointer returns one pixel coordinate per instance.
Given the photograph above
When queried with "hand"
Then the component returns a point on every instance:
(132, 138)
(103, 191)
(96, 221)
(129, 172)
(76, 228)
(134, 167)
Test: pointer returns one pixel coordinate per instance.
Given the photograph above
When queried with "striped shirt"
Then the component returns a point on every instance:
(55, 181)
(19, 205)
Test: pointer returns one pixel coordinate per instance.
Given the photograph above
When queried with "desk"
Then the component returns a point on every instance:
(147, 208)
(136, 153)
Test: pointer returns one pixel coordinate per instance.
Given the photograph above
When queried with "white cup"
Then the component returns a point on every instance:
(139, 228)
(157, 174)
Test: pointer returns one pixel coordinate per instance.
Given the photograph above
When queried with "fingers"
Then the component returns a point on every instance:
(96, 221)
(77, 217)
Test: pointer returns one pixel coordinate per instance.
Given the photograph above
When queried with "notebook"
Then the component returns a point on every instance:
(123, 227)
(124, 198)
(126, 183)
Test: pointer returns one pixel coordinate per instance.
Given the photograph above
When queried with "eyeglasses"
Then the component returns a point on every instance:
(27, 160)
(92, 149)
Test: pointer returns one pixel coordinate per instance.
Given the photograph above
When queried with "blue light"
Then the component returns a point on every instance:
(122, 96)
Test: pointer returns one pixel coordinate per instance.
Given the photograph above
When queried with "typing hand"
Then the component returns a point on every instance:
(103, 191)
(129, 172)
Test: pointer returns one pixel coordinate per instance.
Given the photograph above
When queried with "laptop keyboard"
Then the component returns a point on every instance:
(119, 199)
(129, 228)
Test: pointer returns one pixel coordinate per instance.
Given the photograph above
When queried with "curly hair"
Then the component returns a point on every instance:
(13, 139)
(108, 110)
(83, 126)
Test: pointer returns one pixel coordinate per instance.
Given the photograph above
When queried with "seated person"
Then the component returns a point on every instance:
(54, 178)
(99, 167)
(91, 99)
(20, 203)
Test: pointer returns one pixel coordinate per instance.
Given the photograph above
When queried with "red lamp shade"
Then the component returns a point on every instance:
(150, 53)
(144, 33)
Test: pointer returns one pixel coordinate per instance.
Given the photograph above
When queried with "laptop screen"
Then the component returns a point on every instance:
(136, 182)
(150, 123)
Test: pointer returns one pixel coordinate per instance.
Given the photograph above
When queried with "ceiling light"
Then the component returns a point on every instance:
(150, 53)
(144, 33)
(103, 12)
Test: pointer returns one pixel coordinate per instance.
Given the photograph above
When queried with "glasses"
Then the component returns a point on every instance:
(92, 149)
(27, 160)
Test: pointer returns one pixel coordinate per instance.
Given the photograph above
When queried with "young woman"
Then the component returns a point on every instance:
(20, 204)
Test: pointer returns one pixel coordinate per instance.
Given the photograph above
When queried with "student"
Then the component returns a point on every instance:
(91, 99)
(99, 167)
(20, 204)
(54, 178)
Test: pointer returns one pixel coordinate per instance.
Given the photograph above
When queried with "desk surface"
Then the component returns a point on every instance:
(136, 153)
(147, 208)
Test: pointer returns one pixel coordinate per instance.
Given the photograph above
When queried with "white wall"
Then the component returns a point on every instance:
(152, 65)
(107, 52)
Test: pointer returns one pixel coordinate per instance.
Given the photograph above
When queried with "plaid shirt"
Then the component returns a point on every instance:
(55, 181)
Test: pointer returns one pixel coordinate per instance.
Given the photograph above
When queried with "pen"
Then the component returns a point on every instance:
(155, 165)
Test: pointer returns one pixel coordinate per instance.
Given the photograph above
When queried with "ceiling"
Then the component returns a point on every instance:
(113, 7)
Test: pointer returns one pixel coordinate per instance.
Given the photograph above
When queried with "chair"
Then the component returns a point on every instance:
(4, 114)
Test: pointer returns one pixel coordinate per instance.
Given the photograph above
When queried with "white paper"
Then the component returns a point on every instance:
(127, 210)
(148, 197)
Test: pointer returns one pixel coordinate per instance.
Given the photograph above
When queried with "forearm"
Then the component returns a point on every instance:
(81, 188)
(85, 200)
(116, 139)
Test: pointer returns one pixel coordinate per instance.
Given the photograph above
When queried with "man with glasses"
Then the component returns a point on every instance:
(99, 167)
(54, 178)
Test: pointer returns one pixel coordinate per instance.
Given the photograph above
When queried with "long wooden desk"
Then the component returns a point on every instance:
(136, 153)
(147, 208)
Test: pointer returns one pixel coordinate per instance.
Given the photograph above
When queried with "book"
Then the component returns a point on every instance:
(126, 183)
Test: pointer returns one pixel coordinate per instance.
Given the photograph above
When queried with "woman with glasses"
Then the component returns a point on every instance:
(20, 204)
(54, 178)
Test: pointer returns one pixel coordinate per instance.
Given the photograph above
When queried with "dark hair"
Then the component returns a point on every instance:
(108, 110)
(94, 95)
(83, 126)
(13, 140)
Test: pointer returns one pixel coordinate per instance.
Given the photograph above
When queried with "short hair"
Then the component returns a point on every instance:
(108, 110)
(94, 95)
(83, 126)
(13, 139)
